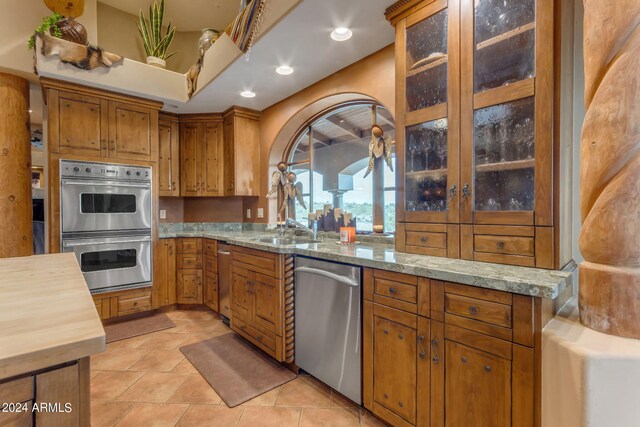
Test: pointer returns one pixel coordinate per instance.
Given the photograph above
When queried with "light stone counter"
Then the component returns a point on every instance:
(520, 280)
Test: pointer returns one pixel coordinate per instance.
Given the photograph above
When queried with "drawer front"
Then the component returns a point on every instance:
(190, 246)
(211, 265)
(426, 239)
(263, 340)
(396, 290)
(506, 245)
(190, 261)
(477, 309)
(133, 303)
(210, 247)
(16, 391)
(259, 261)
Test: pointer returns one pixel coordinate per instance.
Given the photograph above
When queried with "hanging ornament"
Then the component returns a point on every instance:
(380, 146)
(292, 191)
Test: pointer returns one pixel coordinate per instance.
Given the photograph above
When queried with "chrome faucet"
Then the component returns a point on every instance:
(313, 230)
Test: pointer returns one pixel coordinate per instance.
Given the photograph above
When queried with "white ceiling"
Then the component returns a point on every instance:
(301, 40)
(186, 15)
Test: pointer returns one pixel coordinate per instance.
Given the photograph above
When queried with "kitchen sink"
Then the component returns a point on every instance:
(277, 240)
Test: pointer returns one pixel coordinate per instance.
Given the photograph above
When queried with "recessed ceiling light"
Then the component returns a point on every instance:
(247, 94)
(341, 34)
(284, 70)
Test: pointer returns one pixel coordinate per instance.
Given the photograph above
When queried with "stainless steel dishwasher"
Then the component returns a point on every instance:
(328, 323)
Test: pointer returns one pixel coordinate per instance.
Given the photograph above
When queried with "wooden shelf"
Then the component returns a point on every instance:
(427, 173)
(505, 36)
(506, 166)
(428, 66)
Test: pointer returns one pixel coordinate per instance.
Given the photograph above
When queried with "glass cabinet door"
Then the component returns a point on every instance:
(429, 148)
(500, 133)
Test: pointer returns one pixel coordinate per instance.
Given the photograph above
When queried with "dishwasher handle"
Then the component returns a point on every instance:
(332, 276)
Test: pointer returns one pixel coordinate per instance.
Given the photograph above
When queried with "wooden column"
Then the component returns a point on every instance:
(610, 169)
(16, 229)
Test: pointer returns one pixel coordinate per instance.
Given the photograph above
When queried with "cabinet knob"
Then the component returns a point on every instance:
(473, 310)
(424, 239)
(386, 396)
(401, 336)
(463, 359)
(392, 291)
(500, 245)
(487, 368)
(385, 332)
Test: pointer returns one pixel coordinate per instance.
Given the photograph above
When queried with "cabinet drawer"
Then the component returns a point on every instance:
(477, 309)
(16, 391)
(258, 261)
(190, 261)
(210, 247)
(211, 265)
(396, 290)
(508, 245)
(264, 340)
(426, 239)
(133, 303)
(190, 246)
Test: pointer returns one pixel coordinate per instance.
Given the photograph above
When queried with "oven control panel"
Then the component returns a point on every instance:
(106, 171)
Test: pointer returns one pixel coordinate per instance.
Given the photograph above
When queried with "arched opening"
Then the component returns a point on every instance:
(330, 155)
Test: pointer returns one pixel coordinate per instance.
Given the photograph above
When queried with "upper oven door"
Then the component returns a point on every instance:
(112, 262)
(104, 206)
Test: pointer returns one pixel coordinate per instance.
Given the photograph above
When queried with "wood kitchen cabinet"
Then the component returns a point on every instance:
(168, 156)
(475, 119)
(395, 349)
(443, 354)
(165, 273)
(100, 124)
(241, 152)
(261, 300)
(189, 279)
(201, 153)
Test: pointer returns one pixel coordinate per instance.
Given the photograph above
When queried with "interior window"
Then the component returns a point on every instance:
(330, 158)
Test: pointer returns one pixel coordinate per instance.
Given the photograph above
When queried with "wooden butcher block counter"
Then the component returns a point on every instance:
(48, 329)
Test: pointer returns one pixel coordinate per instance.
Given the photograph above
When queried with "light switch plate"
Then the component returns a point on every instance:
(163, 214)
(248, 213)
(260, 213)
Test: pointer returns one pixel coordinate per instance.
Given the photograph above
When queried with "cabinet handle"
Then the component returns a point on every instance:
(259, 338)
(465, 193)
(434, 347)
(420, 342)
(452, 192)
(463, 359)
(198, 186)
(487, 368)
(424, 239)
(392, 291)
(473, 310)
(500, 245)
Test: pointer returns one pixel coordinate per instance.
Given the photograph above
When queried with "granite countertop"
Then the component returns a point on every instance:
(520, 280)
(47, 316)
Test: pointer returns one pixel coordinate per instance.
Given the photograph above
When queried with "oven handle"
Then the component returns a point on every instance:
(103, 242)
(106, 183)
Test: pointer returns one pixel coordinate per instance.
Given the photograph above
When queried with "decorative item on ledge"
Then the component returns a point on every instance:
(244, 28)
(208, 37)
(285, 183)
(78, 55)
(155, 44)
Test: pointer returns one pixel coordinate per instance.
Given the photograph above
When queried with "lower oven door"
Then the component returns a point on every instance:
(90, 206)
(112, 263)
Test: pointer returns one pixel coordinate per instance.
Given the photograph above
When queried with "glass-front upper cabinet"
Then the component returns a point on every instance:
(427, 40)
(506, 118)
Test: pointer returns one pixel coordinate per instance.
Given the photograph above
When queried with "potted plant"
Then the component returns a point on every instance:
(155, 44)
(48, 24)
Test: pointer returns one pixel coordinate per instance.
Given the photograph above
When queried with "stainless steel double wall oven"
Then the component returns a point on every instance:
(106, 215)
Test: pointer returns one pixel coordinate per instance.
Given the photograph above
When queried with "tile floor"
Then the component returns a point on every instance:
(147, 381)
